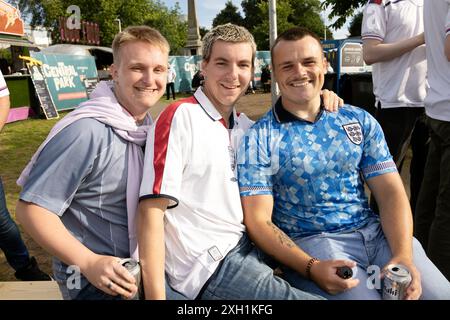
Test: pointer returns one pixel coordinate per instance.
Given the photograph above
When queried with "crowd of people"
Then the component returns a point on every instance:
(217, 202)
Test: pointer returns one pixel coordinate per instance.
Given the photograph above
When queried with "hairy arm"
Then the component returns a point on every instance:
(396, 221)
(273, 241)
(151, 246)
(376, 51)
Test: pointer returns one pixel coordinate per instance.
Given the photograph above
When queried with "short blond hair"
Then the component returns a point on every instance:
(139, 33)
(228, 33)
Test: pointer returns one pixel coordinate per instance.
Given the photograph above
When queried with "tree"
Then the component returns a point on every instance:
(342, 9)
(252, 13)
(290, 13)
(137, 12)
(228, 14)
(170, 24)
(306, 13)
(203, 31)
(261, 30)
(355, 25)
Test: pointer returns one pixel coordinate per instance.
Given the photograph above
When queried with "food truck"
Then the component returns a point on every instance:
(351, 78)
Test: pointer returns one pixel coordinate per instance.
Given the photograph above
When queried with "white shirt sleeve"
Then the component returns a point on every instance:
(3, 87)
(374, 21)
(165, 155)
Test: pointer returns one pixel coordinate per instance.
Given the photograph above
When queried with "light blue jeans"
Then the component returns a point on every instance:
(367, 247)
(90, 292)
(244, 274)
(11, 242)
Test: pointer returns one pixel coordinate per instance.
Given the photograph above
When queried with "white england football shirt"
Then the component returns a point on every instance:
(190, 159)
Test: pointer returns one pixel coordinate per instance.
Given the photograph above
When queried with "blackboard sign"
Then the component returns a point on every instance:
(42, 92)
(90, 85)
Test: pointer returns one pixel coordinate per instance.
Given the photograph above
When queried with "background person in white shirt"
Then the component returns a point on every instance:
(170, 86)
(432, 221)
(392, 34)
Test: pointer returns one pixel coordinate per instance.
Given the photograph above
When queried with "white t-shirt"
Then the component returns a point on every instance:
(400, 82)
(437, 28)
(190, 159)
(3, 87)
(171, 75)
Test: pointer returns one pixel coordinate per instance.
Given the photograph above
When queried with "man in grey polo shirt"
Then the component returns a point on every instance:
(80, 189)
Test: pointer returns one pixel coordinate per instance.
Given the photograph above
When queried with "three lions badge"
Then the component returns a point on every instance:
(354, 132)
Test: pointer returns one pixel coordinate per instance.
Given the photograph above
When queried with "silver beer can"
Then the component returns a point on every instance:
(134, 268)
(396, 281)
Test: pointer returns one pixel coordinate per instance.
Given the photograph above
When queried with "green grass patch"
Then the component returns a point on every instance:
(18, 142)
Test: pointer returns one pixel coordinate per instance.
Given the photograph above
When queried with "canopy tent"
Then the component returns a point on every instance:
(15, 41)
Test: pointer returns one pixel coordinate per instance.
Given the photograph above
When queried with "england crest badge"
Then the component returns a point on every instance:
(354, 132)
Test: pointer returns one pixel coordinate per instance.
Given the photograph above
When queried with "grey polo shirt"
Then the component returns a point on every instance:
(81, 176)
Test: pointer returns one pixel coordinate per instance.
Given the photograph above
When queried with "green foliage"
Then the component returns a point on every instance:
(229, 14)
(203, 31)
(104, 12)
(355, 25)
(252, 14)
(170, 24)
(342, 9)
(261, 31)
(290, 13)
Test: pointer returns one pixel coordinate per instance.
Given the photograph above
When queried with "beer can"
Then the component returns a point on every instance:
(396, 281)
(134, 268)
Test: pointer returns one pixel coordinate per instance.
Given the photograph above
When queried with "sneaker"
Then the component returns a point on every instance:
(31, 272)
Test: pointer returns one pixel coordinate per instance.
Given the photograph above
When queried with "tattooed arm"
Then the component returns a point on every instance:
(274, 242)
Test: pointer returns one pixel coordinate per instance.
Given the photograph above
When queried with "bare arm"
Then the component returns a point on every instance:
(331, 100)
(267, 236)
(4, 110)
(396, 221)
(151, 246)
(377, 51)
(49, 232)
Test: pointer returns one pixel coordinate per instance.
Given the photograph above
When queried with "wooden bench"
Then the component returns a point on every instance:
(29, 290)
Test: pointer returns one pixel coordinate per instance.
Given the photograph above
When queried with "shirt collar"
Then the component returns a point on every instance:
(209, 108)
(284, 116)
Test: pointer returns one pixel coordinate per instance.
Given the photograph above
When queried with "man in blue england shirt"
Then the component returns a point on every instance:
(301, 175)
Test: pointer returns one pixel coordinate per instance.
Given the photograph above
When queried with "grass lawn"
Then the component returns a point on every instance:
(18, 142)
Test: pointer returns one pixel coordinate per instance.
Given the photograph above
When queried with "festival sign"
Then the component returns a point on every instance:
(69, 78)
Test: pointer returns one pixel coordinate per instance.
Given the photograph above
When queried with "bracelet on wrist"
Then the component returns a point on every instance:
(308, 267)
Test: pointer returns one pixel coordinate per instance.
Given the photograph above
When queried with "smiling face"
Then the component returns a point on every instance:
(299, 67)
(227, 73)
(140, 75)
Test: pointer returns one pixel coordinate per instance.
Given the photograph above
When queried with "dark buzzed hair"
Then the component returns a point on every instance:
(294, 34)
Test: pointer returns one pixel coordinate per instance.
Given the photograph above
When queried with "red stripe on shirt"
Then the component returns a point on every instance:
(162, 133)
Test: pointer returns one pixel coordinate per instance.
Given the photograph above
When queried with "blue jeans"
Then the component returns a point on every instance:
(11, 241)
(243, 274)
(366, 246)
(90, 292)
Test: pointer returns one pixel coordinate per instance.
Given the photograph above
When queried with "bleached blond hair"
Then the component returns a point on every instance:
(229, 33)
(139, 33)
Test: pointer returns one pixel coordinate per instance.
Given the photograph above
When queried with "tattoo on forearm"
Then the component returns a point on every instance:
(282, 237)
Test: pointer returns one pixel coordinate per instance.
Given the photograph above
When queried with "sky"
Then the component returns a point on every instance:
(208, 9)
